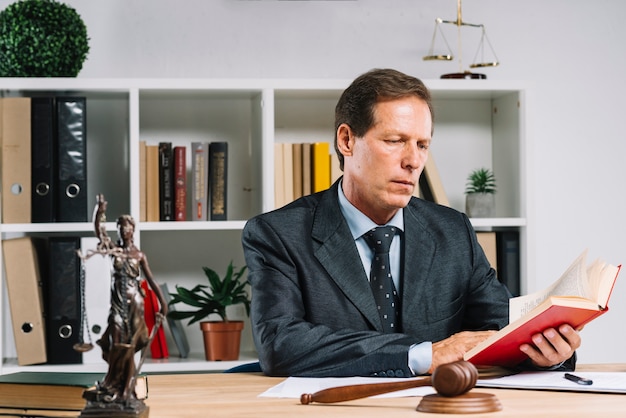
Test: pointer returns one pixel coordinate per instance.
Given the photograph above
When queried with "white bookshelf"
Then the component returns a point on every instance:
(477, 123)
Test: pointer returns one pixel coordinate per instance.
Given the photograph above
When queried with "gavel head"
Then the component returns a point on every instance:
(453, 379)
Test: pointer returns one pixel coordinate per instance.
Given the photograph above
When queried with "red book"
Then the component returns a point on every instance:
(180, 184)
(549, 309)
(158, 346)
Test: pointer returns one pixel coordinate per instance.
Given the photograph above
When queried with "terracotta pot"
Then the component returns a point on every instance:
(221, 339)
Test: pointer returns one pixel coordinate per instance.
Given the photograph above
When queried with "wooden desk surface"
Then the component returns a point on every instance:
(236, 395)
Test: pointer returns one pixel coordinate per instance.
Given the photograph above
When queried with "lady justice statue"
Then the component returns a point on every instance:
(126, 332)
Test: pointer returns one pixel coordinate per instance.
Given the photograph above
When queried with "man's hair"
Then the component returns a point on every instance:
(356, 104)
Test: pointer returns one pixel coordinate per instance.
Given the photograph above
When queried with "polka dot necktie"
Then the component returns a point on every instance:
(379, 239)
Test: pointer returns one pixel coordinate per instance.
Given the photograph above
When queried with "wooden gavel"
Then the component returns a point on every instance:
(451, 379)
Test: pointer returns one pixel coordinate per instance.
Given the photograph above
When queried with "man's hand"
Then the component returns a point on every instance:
(552, 347)
(453, 348)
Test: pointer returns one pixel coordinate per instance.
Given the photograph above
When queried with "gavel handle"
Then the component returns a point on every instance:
(350, 392)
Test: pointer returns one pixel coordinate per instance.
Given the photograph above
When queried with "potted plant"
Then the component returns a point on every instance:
(480, 194)
(221, 337)
(41, 38)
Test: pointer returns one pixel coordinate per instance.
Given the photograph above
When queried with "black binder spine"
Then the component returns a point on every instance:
(63, 301)
(166, 182)
(508, 259)
(72, 159)
(218, 179)
(43, 151)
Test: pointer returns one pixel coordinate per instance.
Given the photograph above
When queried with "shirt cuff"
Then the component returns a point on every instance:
(420, 357)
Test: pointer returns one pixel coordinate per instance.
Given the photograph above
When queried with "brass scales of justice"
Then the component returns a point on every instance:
(479, 58)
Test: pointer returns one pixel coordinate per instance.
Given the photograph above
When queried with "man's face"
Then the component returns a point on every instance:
(382, 169)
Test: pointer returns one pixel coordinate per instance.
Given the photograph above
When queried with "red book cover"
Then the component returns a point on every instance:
(502, 349)
(180, 184)
(158, 347)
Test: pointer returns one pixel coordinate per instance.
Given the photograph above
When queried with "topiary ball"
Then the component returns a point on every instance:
(41, 38)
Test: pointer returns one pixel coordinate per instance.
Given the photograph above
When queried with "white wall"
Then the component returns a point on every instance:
(571, 51)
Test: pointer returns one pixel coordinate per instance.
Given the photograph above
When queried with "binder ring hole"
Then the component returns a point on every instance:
(42, 189)
(72, 190)
(27, 327)
(16, 189)
(65, 331)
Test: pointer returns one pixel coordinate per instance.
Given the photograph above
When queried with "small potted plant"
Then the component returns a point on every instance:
(222, 337)
(480, 194)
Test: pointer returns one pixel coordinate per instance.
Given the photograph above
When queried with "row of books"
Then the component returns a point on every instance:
(167, 193)
(301, 169)
(65, 301)
(44, 164)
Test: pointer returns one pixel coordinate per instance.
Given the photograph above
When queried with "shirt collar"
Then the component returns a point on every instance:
(358, 222)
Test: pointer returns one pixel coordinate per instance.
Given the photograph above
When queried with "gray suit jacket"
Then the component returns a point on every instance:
(313, 313)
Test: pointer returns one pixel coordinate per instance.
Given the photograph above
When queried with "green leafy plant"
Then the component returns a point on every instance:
(214, 297)
(481, 180)
(41, 38)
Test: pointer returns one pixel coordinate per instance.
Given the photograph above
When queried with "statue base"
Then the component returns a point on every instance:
(100, 405)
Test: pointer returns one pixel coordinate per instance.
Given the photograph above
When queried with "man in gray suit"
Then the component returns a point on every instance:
(313, 310)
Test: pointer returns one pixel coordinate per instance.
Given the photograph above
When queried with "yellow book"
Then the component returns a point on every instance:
(321, 166)
(152, 183)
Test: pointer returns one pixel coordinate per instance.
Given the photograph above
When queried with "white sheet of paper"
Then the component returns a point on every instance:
(294, 387)
(612, 382)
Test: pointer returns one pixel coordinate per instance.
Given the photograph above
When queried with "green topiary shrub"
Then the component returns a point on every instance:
(41, 38)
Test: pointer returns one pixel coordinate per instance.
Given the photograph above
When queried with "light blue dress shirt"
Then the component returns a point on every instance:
(420, 355)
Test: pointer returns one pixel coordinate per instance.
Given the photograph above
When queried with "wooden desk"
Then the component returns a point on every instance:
(236, 395)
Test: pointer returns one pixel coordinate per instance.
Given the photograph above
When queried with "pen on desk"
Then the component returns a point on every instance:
(578, 379)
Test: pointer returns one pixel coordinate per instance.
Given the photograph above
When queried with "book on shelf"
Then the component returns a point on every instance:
(579, 296)
(288, 179)
(306, 169)
(22, 261)
(180, 183)
(71, 124)
(43, 161)
(297, 170)
(218, 178)
(15, 135)
(335, 170)
(321, 166)
(200, 180)
(152, 184)
(166, 182)
(175, 326)
(53, 390)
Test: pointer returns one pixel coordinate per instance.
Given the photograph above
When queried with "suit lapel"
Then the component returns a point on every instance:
(419, 251)
(335, 249)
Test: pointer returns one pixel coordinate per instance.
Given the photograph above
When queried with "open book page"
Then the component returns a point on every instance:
(573, 282)
(601, 280)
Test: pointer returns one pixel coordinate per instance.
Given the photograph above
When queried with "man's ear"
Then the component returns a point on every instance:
(345, 140)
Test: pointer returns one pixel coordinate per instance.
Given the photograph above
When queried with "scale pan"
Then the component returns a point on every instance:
(485, 64)
(438, 58)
